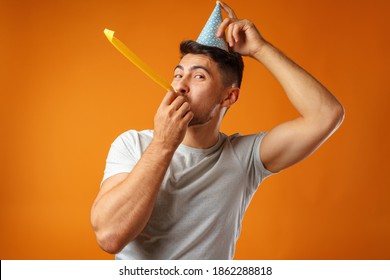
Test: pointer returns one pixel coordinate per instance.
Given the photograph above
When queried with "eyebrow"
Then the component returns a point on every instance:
(194, 67)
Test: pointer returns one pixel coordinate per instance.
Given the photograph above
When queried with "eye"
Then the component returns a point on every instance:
(198, 76)
(177, 76)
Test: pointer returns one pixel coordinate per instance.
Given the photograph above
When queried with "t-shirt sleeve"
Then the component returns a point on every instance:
(247, 149)
(262, 171)
(121, 157)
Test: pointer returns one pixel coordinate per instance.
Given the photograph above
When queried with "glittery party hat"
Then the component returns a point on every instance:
(207, 36)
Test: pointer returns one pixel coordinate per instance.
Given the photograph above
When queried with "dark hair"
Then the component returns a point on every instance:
(230, 65)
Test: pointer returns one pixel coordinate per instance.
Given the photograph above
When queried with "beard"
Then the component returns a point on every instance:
(203, 117)
(198, 121)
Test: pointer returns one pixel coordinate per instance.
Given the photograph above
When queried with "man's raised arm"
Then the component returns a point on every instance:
(320, 112)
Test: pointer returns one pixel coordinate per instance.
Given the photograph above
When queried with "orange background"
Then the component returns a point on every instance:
(66, 94)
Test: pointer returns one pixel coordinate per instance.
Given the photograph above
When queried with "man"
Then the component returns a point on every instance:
(181, 190)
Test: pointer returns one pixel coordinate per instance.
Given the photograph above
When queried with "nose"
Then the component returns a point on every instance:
(181, 87)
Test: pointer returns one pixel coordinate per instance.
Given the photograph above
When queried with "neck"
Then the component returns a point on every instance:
(203, 136)
(198, 137)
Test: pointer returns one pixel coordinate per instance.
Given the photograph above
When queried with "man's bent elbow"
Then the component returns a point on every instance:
(329, 119)
(334, 119)
(111, 239)
(109, 242)
(107, 239)
(337, 115)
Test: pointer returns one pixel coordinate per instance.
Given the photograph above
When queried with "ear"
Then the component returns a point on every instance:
(232, 97)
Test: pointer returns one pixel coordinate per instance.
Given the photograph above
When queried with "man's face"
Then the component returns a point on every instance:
(197, 77)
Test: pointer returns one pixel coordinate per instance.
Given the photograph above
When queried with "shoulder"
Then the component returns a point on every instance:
(134, 136)
(246, 147)
(131, 134)
(246, 141)
(132, 140)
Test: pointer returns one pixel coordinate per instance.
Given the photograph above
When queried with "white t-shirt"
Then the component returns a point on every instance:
(202, 199)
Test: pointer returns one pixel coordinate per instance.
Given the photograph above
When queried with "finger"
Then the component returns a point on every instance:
(228, 10)
(236, 28)
(178, 102)
(188, 117)
(169, 97)
(221, 29)
(229, 37)
(184, 108)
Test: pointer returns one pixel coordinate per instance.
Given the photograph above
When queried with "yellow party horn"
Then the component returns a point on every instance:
(135, 59)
